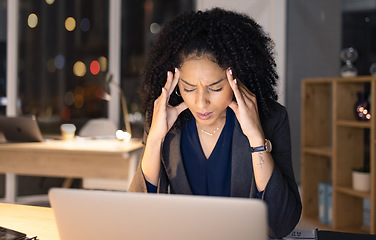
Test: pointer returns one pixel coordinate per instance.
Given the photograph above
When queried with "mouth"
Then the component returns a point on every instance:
(204, 116)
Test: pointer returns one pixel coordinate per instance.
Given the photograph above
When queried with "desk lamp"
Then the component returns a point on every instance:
(121, 135)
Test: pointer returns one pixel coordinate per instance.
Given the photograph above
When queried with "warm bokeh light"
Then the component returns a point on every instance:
(103, 63)
(32, 20)
(59, 61)
(94, 67)
(79, 101)
(70, 24)
(49, 2)
(85, 24)
(79, 69)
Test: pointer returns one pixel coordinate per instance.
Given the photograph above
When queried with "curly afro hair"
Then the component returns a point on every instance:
(231, 39)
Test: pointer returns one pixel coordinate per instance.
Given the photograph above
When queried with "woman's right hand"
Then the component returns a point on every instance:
(165, 115)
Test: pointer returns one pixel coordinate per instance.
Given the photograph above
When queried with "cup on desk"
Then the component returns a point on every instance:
(67, 132)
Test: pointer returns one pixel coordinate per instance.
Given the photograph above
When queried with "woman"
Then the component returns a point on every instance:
(212, 116)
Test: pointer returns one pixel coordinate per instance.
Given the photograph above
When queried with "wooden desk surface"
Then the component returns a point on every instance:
(34, 221)
(78, 146)
(76, 159)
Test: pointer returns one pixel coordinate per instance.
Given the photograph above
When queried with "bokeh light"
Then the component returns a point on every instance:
(78, 101)
(85, 24)
(79, 69)
(103, 63)
(94, 67)
(65, 113)
(59, 61)
(70, 24)
(32, 20)
(69, 98)
(49, 2)
(155, 28)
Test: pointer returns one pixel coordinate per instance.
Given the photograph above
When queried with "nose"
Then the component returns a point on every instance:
(202, 98)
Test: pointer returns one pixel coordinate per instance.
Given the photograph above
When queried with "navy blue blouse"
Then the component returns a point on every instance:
(212, 176)
(209, 177)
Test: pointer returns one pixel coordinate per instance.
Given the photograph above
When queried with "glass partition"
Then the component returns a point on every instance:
(63, 52)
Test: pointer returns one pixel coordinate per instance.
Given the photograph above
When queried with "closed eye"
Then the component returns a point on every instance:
(216, 90)
(188, 90)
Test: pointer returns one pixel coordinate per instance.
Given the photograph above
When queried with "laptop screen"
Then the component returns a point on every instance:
(20, 129)
(89, 214)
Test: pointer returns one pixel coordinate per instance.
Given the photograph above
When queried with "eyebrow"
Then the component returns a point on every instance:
(210, 85)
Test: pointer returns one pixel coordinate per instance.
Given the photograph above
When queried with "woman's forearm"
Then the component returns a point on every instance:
(151, 160)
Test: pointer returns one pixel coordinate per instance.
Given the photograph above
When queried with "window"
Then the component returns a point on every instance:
(63, 57)
(63, 52)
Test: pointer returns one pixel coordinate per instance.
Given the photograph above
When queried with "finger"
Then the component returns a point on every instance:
(175, 80)
(234, 86)
(165, 96)
(168, 81)
(230, 78)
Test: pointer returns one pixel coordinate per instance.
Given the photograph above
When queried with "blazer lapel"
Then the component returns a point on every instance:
(241, 167)
(173, 163)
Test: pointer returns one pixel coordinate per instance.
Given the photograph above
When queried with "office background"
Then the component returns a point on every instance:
(63, 62)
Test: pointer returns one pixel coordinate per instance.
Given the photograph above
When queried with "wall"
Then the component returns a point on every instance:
(313, 46)
(271, 15)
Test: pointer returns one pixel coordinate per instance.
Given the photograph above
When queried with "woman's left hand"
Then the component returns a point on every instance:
(246, 111)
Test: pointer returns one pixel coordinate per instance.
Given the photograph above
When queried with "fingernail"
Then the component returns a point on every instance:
(235, 81)
(176, 70)
(168, 73)
(230, 71)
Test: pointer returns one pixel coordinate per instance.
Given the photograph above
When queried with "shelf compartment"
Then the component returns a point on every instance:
(348, 154)
(316, 113)
(345, 98)
(319, 169)
(348, 212)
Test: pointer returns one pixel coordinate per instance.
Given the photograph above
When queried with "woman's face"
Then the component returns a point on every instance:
(205, 89)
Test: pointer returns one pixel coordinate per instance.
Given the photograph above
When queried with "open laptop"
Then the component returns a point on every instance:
(91, 214)
(20, 129)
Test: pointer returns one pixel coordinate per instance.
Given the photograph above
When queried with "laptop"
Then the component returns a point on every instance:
(93, 214)
(20, 129)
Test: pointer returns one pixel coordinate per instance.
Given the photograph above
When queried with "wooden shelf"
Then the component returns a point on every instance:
(321, 151)
(333, 143)
(352, 192)
(353, 123)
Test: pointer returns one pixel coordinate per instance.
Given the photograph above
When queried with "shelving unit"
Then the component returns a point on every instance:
(332, 145)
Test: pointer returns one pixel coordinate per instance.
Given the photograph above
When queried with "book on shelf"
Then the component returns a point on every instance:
(325, 193)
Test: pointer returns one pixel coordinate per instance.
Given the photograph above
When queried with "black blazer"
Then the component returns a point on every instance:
(281, 193)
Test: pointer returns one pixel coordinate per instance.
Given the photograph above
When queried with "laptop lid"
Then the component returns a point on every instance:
(91, 214)
(20, 129)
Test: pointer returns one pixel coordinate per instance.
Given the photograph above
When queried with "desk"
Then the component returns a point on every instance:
(95, 159)
(34, 221)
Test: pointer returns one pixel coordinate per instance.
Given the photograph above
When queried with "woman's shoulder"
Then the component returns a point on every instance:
(276, 116)
(276, 109)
